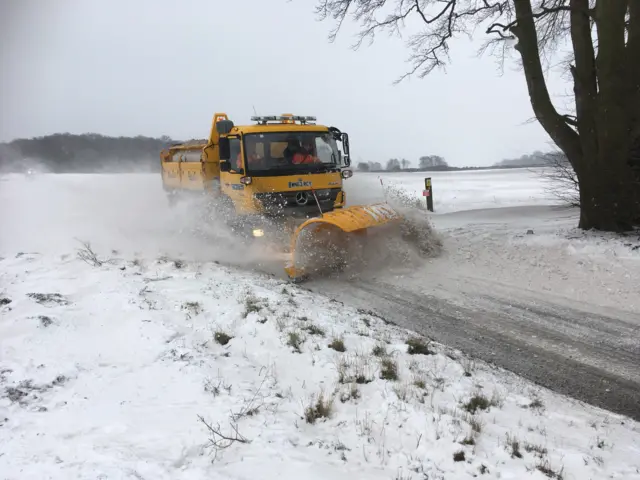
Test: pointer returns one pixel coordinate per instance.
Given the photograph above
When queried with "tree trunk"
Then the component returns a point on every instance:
(554, 124)
(607, 190)
(606, 95)
(611, 186)
(609, 198)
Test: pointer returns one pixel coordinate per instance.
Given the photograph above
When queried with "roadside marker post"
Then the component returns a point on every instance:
(428, 192)
(383, 190)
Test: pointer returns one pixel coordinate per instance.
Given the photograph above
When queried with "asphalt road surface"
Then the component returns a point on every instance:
(593, 357)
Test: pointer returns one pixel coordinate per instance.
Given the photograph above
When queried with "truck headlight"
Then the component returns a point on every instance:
(258, 232)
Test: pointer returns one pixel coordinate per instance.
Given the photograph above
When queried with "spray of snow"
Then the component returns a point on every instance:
(130, 213)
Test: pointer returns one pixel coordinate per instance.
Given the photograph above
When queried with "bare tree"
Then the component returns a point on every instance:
(393, 165)
(598, 133)
(428, 161)
(561, 178)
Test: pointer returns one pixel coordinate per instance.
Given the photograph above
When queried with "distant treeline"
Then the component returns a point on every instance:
(536, 159)
(95, 153)
(86, 153)
(436, 163)
(448, 168)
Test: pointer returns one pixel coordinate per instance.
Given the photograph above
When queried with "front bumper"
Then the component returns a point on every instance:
(298, 203)
(266, 229)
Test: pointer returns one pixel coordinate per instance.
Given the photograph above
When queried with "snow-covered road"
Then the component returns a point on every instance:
(518, 285)
(105, 370)
(561, 319)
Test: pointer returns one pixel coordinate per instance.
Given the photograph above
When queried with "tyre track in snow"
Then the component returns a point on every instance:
(592, 357)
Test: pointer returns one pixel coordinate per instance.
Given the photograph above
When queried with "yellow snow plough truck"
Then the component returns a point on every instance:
(280, 183)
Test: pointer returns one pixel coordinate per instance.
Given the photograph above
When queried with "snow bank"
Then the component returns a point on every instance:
(177, 369)
(503, 225)
(456, 191)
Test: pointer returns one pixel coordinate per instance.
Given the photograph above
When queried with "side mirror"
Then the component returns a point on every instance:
(225, 148)
(225, 166)
(335, 133)
(345, 148)
(345, 143)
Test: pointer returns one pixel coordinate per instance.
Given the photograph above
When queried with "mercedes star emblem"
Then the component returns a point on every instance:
(302, 198)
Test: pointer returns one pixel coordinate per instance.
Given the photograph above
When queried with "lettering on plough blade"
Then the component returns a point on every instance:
(372, 211)
(379, 212)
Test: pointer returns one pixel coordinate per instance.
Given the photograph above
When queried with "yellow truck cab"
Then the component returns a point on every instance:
(279, 166)
(282, 167)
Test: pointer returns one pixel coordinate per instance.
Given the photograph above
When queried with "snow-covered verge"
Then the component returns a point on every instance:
(510, 196)
(168, 368)
(459, 190)
(538, 249)
(524, 241)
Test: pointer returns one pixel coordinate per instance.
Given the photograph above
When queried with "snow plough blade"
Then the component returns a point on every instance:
(324, 243)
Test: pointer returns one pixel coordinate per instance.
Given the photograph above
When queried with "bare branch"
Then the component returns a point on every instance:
(584, 76)
(562, 181)
(218, 440)
(442, 20)
(250, 408)
(87, 255)
(553, 123)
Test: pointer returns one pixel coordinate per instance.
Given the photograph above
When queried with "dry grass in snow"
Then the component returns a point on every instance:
(158, 369)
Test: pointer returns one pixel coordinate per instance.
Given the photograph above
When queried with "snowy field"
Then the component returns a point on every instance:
(505, 225)
(152, 361)
(464, 190)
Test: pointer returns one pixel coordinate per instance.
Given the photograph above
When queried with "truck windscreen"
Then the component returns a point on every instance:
(287, 153)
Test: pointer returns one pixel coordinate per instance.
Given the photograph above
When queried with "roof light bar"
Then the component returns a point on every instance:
(304, 118)
(283, 118)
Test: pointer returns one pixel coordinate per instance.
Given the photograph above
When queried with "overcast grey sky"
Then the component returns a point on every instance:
(155, 67)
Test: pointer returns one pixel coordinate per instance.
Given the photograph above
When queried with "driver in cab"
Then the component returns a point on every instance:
(297, 154)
